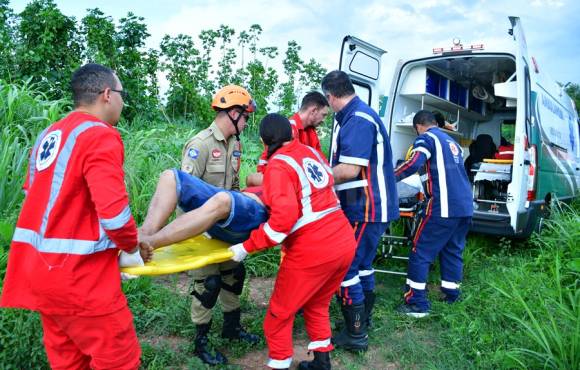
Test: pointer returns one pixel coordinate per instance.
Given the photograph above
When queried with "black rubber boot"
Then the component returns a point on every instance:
(232, 328)
(369, 304)
(321, 362)
(202, 349)
(353, 336)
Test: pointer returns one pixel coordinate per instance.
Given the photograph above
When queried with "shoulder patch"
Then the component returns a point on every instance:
(193, 153)
(48, 150)
(453, 148)
(315, 173)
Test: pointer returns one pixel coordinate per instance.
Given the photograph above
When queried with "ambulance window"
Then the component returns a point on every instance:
(528, 92)
(363, 92)
(528, 101)
(508, 130)
(365, 65)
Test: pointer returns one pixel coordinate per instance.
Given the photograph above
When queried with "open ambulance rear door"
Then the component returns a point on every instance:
(362, 62)
(523, 165)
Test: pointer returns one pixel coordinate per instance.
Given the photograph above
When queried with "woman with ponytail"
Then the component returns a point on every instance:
(317, 243)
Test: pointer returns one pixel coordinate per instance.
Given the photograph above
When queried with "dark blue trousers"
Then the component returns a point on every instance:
(437, 236)
(360, 276)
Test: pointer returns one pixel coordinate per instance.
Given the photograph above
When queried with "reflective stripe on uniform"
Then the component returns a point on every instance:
(58, 245)
(415, 285)
(422, 150)
(312, 346)
(61, 166)
(308, 215)
(313, 216)
(365, 272)
(279, 364)
(118, 221)
(449, 285)
(351, 185)
(442, 176)
(350, 282)
(55, 245)
(276, 236)
(353, 160)
(380, 161)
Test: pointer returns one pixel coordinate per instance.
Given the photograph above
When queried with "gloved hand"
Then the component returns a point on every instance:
(130, 260)
(239, 252)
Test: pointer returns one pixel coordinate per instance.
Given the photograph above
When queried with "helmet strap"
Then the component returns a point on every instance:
(235, 123)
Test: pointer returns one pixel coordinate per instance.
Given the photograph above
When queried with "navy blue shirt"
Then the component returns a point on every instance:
(360, 138)
(448, 188)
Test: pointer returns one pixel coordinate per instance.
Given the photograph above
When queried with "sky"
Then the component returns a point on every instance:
(405, 29)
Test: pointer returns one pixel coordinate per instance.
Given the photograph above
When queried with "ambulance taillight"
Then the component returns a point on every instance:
(532, 170)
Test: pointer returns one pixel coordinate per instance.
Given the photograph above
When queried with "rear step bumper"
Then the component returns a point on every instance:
(499, 224)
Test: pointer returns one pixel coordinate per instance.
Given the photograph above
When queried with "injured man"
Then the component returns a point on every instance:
(225, 215)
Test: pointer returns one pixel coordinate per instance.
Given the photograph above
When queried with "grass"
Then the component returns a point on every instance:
(520, 307)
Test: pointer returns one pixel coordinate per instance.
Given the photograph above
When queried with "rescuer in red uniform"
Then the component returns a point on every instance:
(313, 110)
(317, 243)
(63, 260)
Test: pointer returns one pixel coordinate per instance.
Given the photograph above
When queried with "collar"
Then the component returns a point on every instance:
(216, 132)
(88, 117)
(291, 146)
(298, 120)
(347, 110)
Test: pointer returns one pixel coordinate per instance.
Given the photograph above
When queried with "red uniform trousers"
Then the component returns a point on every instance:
(91, 342)
(309, 288)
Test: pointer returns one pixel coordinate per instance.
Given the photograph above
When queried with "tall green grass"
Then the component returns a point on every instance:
(520, 307)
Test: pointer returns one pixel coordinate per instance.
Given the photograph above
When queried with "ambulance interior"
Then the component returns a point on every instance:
(476, 94)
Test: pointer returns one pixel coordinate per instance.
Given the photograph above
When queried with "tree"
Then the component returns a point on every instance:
(137, 67)
(8, 42)
(183, 63)
(574, 91)
(48, 48)
(98, 31)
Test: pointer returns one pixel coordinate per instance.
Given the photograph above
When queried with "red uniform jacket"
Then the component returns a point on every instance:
(306, 136)
(505, 152)
(305, 214)
(74, 219)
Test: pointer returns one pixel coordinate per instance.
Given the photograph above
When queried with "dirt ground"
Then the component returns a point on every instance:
(259, 291)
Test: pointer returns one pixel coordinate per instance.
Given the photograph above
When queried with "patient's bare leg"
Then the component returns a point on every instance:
(162, 204)
(192, 223)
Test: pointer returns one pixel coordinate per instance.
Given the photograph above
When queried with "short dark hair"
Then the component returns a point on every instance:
(313, 98)
(88, 81)
(424, 118)
(439, 118)
(338, 84)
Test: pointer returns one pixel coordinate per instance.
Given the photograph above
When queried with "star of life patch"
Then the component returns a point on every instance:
(48, 150)
(315, 173)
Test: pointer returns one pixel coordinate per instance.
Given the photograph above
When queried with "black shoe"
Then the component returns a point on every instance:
(370, 298)
(412, 310)
(202, 350)
(321, 362)
(353, 336)
(232, 329)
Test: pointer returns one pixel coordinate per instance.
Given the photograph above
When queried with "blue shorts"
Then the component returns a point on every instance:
(245, 215)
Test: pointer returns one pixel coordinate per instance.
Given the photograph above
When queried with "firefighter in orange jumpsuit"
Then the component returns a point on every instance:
(63, 260)
(317, 243)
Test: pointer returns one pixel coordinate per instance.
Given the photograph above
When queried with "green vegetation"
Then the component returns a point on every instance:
(45, 45)
(520, 308)
(521, 302)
